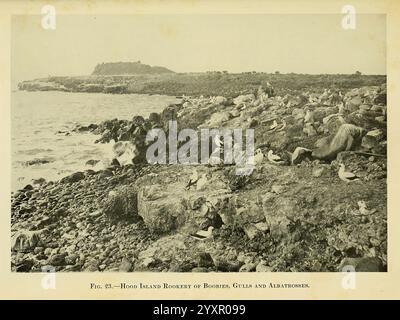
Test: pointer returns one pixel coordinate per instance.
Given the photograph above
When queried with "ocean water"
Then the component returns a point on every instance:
(37, 117)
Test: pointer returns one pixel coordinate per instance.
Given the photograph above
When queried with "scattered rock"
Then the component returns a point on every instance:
(263, 267)
(57, 259)
(318, 171)
(92, 162)
(251, 231)
(226, 266)
(199, 269)
(300, 154)
(278, 189)
(262, 226)
(347, 138)
(75, 177)
(115, 163)
(248, 267)
(92, 266)
(125, 266)
(205, 260)
(24, 266)
(372, 139)
(367, 264)
(310, 130)
(169, 250)
(25, 240)
(121, 204)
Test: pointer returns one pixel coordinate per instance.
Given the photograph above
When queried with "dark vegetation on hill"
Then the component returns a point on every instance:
(117, 68)
(206, 84)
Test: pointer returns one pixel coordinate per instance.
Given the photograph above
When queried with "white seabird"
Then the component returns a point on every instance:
(273, 125)
(283, 126)
(258, 157)
(203, 234)
(362, 207)
(192, 180)
(309, 117)
(274, 158)
(345, 175)
(201, 182)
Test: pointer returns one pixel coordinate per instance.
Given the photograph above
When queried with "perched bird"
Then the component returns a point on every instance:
(243, 107)
(274, 158)
(309, 117)
(258, 157)
(205, 208)
(283, 126)
(362, 207)
(218, 142)
(125, 152)
(341, 108)
(324, 95)
(203, 234)
(201, 182)
(273, 125)
(346, 176)
(192, 180)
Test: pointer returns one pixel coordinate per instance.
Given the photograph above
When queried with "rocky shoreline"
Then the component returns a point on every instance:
(297, 215)
(214, 83)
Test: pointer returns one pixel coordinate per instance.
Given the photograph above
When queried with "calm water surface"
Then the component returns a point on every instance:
(38, 116)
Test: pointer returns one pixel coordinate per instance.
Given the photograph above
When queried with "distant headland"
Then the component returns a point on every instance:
(127, 68)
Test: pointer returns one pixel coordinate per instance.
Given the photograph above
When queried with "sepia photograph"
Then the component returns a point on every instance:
(198, 143)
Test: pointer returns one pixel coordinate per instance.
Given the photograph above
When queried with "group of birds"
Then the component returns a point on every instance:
(199, 182)
(346, 176)
(240, 156)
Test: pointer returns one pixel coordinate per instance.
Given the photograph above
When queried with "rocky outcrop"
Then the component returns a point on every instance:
(121, 204)
(166, 210)
(290, 215)
(347, 138)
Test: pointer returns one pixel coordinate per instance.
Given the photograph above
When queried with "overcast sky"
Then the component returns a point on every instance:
(192, 43)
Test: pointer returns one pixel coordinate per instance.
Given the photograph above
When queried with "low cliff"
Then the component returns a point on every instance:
(128, 68)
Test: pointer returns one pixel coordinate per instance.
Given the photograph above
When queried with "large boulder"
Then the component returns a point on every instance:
(25, 240)
(121, 204)
(246, 209)
(166, 204)
(240, 100)
(372, 139)
(347, 138)
(217, 119)
(126, 152)
(279, 211)
(218, 100)
(331, 123)
(353, 104)
(161, 209)
(298, 114)
(365, 264)
(75, 177)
